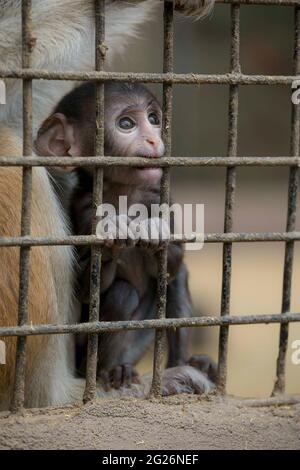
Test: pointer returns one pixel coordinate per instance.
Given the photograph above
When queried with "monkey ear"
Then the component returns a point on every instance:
(56, 138)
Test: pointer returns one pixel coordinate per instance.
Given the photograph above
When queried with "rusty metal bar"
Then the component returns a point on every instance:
(162, 281)
(145, 162)
(184, 322)
(18, 396)
(92, 350)
(230, 195)
(261, 2)
(170, 78)
(290, 224)
(280, 400)
(81, 240)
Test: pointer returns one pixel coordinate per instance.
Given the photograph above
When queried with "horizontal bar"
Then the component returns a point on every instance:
(104, 327)
(261, 2)
(278, 400)
(148, 162)
(169, 78)
(81, 240)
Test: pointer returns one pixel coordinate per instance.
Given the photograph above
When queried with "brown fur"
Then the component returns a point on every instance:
(43, 306)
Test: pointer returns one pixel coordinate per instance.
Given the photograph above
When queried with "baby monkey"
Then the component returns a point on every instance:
(133, 124)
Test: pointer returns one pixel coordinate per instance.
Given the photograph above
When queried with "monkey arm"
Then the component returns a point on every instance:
(179, 305)
(63, 33)
(175, 258)
(119, 352)
(178, 301)
(60, 32)
(194, 8)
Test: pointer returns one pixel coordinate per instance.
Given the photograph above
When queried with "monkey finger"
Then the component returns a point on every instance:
(135, 377)
(104, 379)
(120, 243)
(131, 238)
(127, 375)
(116, 377)
(130, 375)
(206, 365)
(143, 232)
(108, 242)
(126, 236)
(160, 231)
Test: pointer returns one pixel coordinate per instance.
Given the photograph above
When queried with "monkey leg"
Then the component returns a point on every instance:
(186, 379)
(119, 352)
(178, 305)
(206, 365)
(176, 380)
(115, 365)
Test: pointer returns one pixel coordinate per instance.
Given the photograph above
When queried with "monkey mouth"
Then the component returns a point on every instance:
(150, 172)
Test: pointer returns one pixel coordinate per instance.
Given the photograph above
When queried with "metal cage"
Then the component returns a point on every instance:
(231, 161)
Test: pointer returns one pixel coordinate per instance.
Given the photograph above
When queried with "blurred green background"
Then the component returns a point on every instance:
(200, 129)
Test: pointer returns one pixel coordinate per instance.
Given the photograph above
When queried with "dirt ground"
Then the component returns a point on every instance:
(185, 422)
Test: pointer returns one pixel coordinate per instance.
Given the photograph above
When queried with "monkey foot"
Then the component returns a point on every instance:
(206, 365)
(123, 375)
(198, 375)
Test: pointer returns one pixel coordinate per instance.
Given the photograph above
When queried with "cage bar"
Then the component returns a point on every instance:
(290, 224)
(18, 396)
(144, 162)
(94, 327)
(260, 2)
(80, 240)
(162, 281)
(183, 322)
(170, 78)
(92, 350)
(230, 194)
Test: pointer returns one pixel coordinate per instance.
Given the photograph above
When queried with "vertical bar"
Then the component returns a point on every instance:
(160, 335)
(230, 194)
(291, 221)
(20, 367)
(92, 351)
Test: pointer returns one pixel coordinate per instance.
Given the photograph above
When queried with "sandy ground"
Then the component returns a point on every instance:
(186, 422)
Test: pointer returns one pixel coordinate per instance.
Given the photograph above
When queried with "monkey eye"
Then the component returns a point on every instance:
(154, 119)
(126, 123)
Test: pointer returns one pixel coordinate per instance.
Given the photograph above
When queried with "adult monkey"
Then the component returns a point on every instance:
(64, 33)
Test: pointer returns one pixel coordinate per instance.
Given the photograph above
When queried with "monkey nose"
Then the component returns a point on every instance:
(151, 141)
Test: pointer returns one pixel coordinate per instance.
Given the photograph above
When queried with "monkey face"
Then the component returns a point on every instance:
(132, 124)
(135, 131)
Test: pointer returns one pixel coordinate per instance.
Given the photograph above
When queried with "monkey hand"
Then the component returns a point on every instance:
(195, 8)
(154, 233)
(123, 375)
(115, 231)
